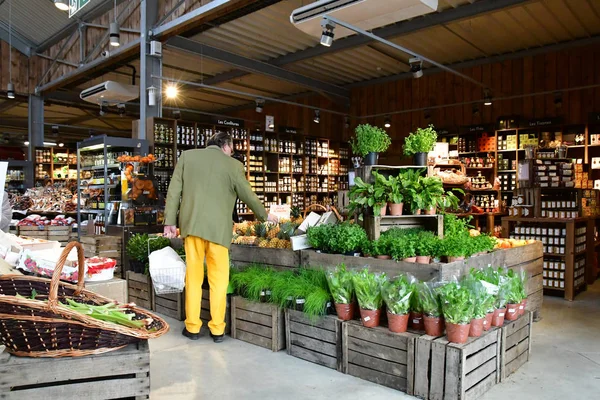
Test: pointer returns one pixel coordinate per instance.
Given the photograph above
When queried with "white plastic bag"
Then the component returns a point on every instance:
(167, 271)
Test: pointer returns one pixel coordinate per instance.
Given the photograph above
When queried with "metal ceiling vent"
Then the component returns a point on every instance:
(365, 14)
(110, 93)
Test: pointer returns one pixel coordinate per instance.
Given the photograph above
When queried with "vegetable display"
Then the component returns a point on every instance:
(368, 289)
(340, 285)
(397, 294)
(457, 303)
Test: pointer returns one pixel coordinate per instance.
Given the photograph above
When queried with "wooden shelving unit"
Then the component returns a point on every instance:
(50, 162)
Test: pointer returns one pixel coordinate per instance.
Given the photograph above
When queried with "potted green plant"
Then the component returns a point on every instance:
(523, 275)
(455, 247)
(411, 182)
(367, 196)
(425, 247)
(514, 296)
(368, 292)
(481, 303)
(368, 142)
(139, 248)
(416, 310)
(382, 248)
(432, 308)
(393, 192)
(402, 248)
(319, 237)
(419, 143)
(396, 295)
(457, 306)
(342, 289)
(498, 278)
(346, 238)
(488, 300)
(432, 192)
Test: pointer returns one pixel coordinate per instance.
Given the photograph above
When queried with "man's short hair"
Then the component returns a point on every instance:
(220, 139)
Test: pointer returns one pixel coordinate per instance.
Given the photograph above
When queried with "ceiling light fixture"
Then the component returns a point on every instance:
(26, 143)
(487, 98)
(327, 36)
(61, 144)
(151, 96)
(259, 105)
(49, 144)
(62, 5)
(10, 88)
(387, 122)
(416, 67)
(121, 109)
(171, 91)
(317, 118)
(558, 99)
(114, 31)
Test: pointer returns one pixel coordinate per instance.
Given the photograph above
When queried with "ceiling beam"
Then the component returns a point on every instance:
(254, 66)
(20, 43)
(390, 31)
(7, 105)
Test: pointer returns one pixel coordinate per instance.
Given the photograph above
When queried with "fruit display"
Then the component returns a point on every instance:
(143, 159)
(510, 243)
(264, 234)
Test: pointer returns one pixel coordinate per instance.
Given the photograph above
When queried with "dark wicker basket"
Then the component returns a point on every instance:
(43, 327)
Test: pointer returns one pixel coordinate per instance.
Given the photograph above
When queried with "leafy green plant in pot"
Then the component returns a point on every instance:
(412, 189)
(514, 295)
(431, 305)
(319, 237)
(488, 300)
(523, 275)
(383, 247)
(346, 238)
(366, 196)
(402, 248)
(396, 295)
(341, 287)
(455, 247)
(432, 193)
(419, 143)
(368, 292)
(457, 306)
(393, 192)
(482, 301)
(425, 246)
(368, 142)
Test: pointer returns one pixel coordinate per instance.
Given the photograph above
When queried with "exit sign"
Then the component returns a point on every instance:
(76, 5)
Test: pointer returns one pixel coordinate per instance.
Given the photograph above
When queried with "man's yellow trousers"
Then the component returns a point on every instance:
(217, 265)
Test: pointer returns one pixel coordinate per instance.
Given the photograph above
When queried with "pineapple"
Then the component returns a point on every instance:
(261, 230)
(281, 244)
(296, 215)
(273, 231)
(273, 243)
(263, 243)
(286, 230)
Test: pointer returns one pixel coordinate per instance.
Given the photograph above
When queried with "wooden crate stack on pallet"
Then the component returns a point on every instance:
(60, 234)
(171, 305)
(378, 355)
(516, 344)
(123, 373)
(139, 289)
(317, 341)
(103, 246)
(261, 324)
(34, 232)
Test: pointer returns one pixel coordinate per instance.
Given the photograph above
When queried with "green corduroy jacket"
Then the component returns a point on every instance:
(208, 181)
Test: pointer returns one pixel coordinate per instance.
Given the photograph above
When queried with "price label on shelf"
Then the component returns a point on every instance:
(282, 211)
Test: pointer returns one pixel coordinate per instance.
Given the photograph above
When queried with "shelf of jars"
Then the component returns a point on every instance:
(55, 164)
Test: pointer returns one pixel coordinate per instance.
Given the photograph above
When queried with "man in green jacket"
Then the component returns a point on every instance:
(203, 188)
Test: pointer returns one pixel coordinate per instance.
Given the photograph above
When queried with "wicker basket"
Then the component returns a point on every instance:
(39, 328)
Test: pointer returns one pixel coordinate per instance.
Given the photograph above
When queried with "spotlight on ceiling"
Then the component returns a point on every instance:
(317, 118)
(260, 103)
(121, 109)
(61, 144)
(171, 91)
(427, 115)
(102, 111)
(62, 5)
(54, 130)
(26, 143)
(10, 90)
(487, 98)
(388, 122)
(327, 35)
(114, 34)
(416, 67)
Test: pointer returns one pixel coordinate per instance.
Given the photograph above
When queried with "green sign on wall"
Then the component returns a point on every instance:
(76, 5)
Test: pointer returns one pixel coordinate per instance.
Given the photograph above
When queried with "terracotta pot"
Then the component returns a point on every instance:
(430, 211)
(434, 326)
(397, 323)
(457, 333)
(476, 327)
(416, 321)
(345, 312)
(383, 210)
(370, 318)
(423, 259)
(523, 306)
(498, 318)
(512, 311)
(395, 208)
(452, 259)
(487, 323)
(383, 257)
(410, 259)
(418, 212)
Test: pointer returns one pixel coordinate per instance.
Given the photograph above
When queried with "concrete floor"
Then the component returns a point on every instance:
(565, 364)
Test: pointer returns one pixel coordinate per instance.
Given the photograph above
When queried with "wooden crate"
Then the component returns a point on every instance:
(317, 341)
(375, 225)
(139, 289)
(261, 324)
(123, 373)
(240, 256)
(378, 355)
(34, 232)
(205, 310)
(422, 374)
(172, 305)
(460, 371)
(516, 344)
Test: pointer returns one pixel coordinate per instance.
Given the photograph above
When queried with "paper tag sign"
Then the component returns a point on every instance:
(300, 301)
(416, 321)
(501, 315)
(281, 211)
(511, 311)
(521, 307)
(367, 319)
(485, 322)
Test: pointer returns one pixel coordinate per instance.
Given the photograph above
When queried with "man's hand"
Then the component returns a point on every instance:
(170, 231)
(273, 218)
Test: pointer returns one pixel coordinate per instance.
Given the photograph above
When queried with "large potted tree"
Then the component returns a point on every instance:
(419, 143)
(368, 142)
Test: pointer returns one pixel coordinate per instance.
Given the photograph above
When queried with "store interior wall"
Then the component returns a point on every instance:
(20, 70)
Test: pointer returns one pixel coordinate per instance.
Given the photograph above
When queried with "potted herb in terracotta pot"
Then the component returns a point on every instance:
(368, 292)
(342, 289)
(415, 320)
(425, 246)
(455, 247)
(403, 248)
(346, 238)
(382, 248)
(457, 306)
(411, 182)
(482, 302)
(432, 192)
(368, 142)
(499, 278)
(432, 308)
(523, 275)
(491, 293)
(419, 143)
(393, 192)
(396, 295)
(366, 197)
(514, 295)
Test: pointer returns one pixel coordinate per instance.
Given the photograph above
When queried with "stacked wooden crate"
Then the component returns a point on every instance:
(516, 344)
(261, 324)
(103, 246)
(60, 234)
(139, 289)
(34, 232)
(205, 310)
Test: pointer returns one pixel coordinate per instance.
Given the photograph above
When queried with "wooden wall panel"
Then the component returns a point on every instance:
(19, 69)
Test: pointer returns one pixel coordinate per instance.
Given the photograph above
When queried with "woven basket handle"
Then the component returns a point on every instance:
(53, 296)
(323, 208)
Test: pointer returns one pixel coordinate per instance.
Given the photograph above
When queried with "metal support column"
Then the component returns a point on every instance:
(149, 66)
(36, 134)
